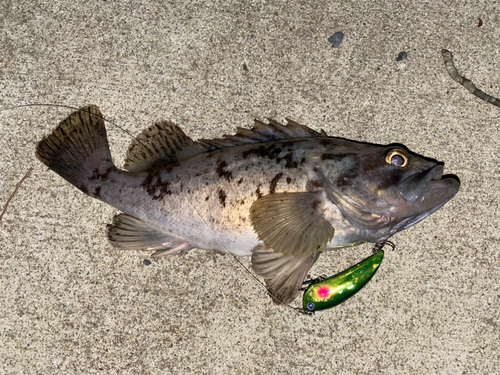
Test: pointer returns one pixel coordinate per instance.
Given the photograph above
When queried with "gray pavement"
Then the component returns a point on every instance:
(70, 304)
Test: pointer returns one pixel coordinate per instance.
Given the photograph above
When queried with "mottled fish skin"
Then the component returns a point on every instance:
(218, 195)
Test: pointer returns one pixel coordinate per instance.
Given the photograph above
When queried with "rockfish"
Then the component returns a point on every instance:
(282, 194)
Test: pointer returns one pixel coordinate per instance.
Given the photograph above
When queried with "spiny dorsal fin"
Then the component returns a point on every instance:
(262, 132)
(165, 143)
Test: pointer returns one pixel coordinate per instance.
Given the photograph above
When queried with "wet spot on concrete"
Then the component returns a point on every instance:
(402, 56)
(336, 39)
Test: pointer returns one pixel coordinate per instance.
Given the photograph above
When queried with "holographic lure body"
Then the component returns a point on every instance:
(323, 293)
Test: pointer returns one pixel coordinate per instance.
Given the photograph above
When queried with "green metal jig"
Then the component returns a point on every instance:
(323, 293)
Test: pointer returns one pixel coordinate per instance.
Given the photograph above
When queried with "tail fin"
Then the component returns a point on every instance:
(78, 148)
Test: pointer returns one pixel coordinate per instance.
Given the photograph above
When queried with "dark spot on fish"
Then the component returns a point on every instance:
(100, 176)
(288, 180)
(221, 164)
(315, 204)
(324, 142)
(314, 183)
(222, 198)
(207, 198)
(241, 201)
(302, 161)
(347, 177)
(259, 194)
(243, 218)
(289, 161)
(338, 157)
(274, 183)
(272, 153)
(389, 179)
(97, 192)
(155, 187)
(240, 180)
(261, 151)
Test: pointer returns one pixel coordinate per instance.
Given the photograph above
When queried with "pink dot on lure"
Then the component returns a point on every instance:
(323, 292)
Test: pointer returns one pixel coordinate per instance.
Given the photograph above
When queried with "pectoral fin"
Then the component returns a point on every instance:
(283, 274)
(291, 223)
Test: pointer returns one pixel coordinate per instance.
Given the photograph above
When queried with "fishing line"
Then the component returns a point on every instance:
(164, 167)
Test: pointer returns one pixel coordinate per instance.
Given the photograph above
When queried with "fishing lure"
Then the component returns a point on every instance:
(324, 293)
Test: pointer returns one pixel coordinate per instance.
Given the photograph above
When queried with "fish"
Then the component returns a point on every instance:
(280, 194)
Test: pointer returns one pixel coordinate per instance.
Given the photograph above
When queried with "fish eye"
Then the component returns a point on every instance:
(397, 157)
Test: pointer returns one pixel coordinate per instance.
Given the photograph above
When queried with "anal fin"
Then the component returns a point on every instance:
(128, 233)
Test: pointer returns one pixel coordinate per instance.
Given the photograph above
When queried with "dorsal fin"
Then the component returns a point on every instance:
(262, 132)
(165, 143)
(160, 145)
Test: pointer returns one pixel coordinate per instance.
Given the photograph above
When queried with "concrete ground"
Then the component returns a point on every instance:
(71, 304)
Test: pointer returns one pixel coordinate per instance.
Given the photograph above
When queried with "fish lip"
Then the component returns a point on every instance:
(413, 187)
(438, 191)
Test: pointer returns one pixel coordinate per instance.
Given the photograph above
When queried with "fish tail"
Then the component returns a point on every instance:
(78, 149)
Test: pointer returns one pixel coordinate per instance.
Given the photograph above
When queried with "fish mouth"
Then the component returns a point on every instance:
(426, 191)
(413, 187)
